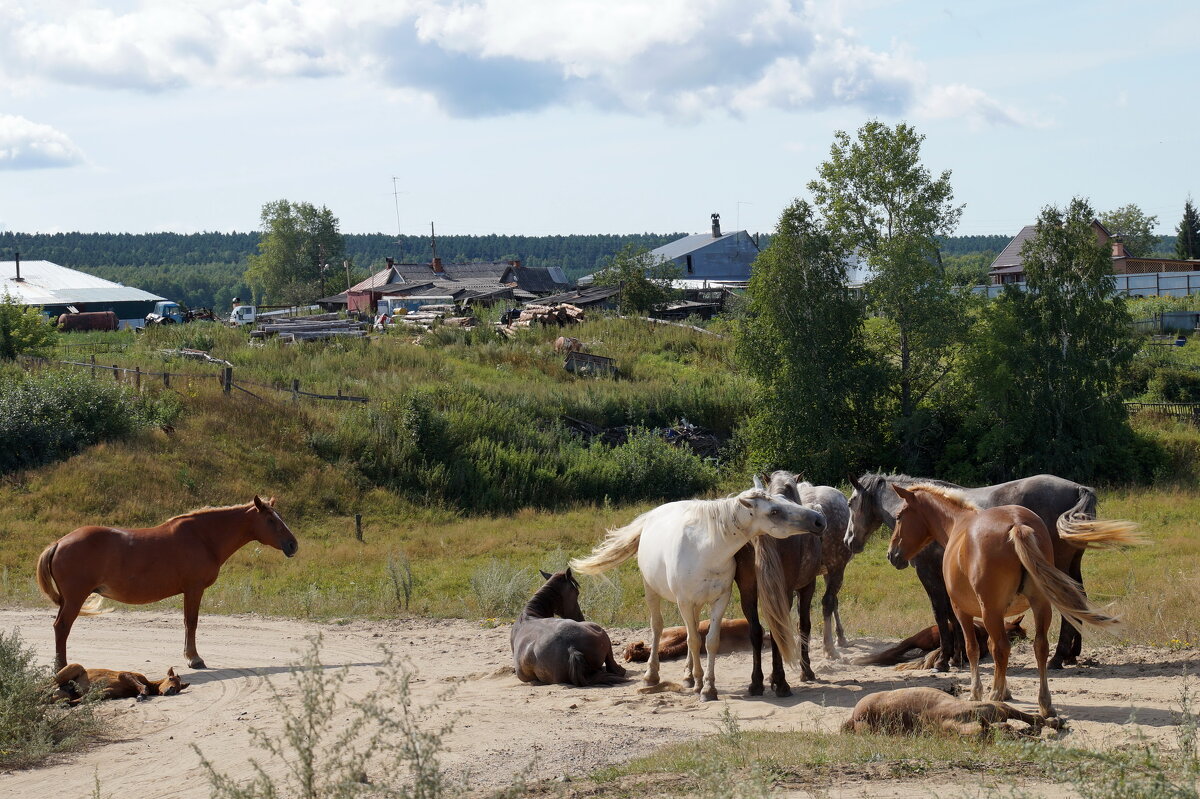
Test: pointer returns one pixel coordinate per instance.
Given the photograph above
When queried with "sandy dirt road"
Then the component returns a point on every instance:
(503, 726)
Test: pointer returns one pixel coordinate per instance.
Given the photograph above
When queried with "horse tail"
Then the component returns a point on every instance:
(887, 657)
(1099, 533)
(576, 667)
(618, 546)
(1064, 594)
(775, 597)
(45, 579)
(94, 605)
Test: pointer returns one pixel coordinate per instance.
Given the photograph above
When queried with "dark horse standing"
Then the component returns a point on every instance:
(561, 650)
(183, 555)
(1062, 505)
(801, 560)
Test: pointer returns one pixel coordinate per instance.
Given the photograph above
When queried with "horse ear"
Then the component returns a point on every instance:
(758, 483)
(902, 492)
(271, 502)
(749, 503)
(170, 671)
(545, 576)
(183, 685)
(258, 503)
(569, 573)
(857, 486)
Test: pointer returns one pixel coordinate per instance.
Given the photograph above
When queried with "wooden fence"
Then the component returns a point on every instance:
(135, 375)
(1189, 411)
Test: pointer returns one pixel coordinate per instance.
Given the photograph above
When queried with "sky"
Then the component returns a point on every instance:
(536, 117)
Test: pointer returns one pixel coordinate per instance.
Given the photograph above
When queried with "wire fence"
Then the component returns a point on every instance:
(135, 376)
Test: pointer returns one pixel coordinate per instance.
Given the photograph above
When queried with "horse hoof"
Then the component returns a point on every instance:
(196, 663)
(709, 696)
(1055, 664)
(755, 690)
(689, 682)
(650, 680)
(808, 676)
(783, 690)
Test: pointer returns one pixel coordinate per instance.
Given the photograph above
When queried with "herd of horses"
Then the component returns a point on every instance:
(981, 554)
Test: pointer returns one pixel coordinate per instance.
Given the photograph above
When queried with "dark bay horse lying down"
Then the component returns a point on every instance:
(561, 650)
(183, 555)
(930, 640)
(672, 644)
(1062, 505)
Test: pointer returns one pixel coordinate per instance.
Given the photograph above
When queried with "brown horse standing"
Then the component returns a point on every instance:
(998, 562)
(183, 555)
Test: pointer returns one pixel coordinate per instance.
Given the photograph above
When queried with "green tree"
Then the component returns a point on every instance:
(802, 339)
(644, 278)
(1134, 227)
(1187, 234)
(1044, 369)
(23, 329)
(298, 239)
(881, 202)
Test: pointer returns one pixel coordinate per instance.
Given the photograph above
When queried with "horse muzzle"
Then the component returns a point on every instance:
(289, 548)
(896, 559)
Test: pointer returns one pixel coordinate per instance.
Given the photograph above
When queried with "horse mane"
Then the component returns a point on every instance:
(541, 600)
(951, 494)
(209, 509)
(875, 481)
(720, 514)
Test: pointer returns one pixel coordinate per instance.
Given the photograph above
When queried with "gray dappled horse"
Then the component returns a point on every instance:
(561, 650)
(1061, 504)
(801, 559)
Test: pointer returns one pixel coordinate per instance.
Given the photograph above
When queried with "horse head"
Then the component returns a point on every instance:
(171, 684)
(912, 531)
(865, 517)
(778, 516)
(268, 528)
(564, 594)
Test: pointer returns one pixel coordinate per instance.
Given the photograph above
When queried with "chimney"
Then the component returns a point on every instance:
(19, 278)
(391, 262)
(1118, 248)
(437, 265)
(716, 224)
(515, 264)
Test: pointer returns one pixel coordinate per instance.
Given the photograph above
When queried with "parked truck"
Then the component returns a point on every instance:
(167, 312)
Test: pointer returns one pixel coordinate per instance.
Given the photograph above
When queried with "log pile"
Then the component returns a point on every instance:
(561, 314)
(309, 328)
(430, 315)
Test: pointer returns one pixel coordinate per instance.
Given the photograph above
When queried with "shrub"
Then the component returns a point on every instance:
(52, 416)
(1174, 385)
(31, 728)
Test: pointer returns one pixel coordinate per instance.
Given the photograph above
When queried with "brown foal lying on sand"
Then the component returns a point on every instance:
(908, 710)
(735, 637)
(74, 681)
(929, 641)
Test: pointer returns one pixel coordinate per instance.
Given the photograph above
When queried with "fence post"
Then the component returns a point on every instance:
(137, 379)
(227, 382)
(116, 373)
(166, 379)
(93, 366)
(295, 390)
(358, 526)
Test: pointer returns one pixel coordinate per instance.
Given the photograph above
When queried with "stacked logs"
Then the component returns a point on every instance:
(562, 314)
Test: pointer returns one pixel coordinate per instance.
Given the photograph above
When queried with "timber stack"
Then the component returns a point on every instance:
(309, 328)
(561, 314)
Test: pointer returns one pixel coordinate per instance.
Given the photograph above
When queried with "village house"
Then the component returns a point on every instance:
(58, 290)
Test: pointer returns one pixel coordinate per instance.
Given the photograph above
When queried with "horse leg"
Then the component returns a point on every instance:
(804, 611)
(714, 644)
(1070, 639)
(929, 571)
(694, 668)
(747, 583)
(829, 610)
(993, 622)
(779, 683)
(1041, 648)
(967, 621)
(68, 611)
(654, 605)
(191, 615)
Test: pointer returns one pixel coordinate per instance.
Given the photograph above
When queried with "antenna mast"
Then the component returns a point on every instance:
(433, 240)
(396, 199)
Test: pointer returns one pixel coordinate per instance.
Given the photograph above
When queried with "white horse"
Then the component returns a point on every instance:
(685, 552)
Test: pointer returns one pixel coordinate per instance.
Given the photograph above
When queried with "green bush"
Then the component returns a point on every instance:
(31, 728)
(1174, 385)
(54, 415)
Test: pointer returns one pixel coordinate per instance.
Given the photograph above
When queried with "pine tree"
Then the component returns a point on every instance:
(1187, 235)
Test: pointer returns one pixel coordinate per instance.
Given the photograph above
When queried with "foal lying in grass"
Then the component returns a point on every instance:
(73, 682)
(915, 710)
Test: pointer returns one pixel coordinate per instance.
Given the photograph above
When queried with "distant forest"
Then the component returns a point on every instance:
(205, 269)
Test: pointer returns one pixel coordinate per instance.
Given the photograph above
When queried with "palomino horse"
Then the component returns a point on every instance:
(1063, 506)
(685, 552)
(183, 555)
(567, 649)
(795, 564)
(998, 561)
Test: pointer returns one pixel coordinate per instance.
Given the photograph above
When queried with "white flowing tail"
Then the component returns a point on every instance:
(618, 546)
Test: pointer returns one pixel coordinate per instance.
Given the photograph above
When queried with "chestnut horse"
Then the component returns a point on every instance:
(183, 555)
(998, 562)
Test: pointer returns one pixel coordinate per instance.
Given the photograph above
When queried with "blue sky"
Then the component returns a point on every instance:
(577, 116)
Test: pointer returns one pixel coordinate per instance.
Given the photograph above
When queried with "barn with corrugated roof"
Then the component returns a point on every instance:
(58, 290)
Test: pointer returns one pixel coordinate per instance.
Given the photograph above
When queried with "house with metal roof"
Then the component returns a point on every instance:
(707, 259)
(58, 290)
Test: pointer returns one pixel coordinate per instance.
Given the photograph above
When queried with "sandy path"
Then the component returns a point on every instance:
(504, 726)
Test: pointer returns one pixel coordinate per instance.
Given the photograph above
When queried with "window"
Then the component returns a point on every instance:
(690, 269)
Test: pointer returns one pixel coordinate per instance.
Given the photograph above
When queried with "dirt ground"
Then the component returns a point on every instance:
(504, 726)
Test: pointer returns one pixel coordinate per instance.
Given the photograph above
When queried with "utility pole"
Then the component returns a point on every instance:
(433, 240)
(346, 264)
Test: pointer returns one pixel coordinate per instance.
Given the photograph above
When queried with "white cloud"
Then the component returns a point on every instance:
(959, 101)
(29, 145)
(684, 58)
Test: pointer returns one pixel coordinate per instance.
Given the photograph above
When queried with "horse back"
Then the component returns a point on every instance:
(135, 565)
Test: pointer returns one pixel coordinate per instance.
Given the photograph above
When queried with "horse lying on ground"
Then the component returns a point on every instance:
(672, 644)
(930, 640)
(561, 650)
(685, 552)
(909, 710)
(183, 555)
(73, 682)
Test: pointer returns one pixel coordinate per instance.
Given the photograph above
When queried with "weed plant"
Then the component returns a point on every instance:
(31, 727)
(338, 748)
